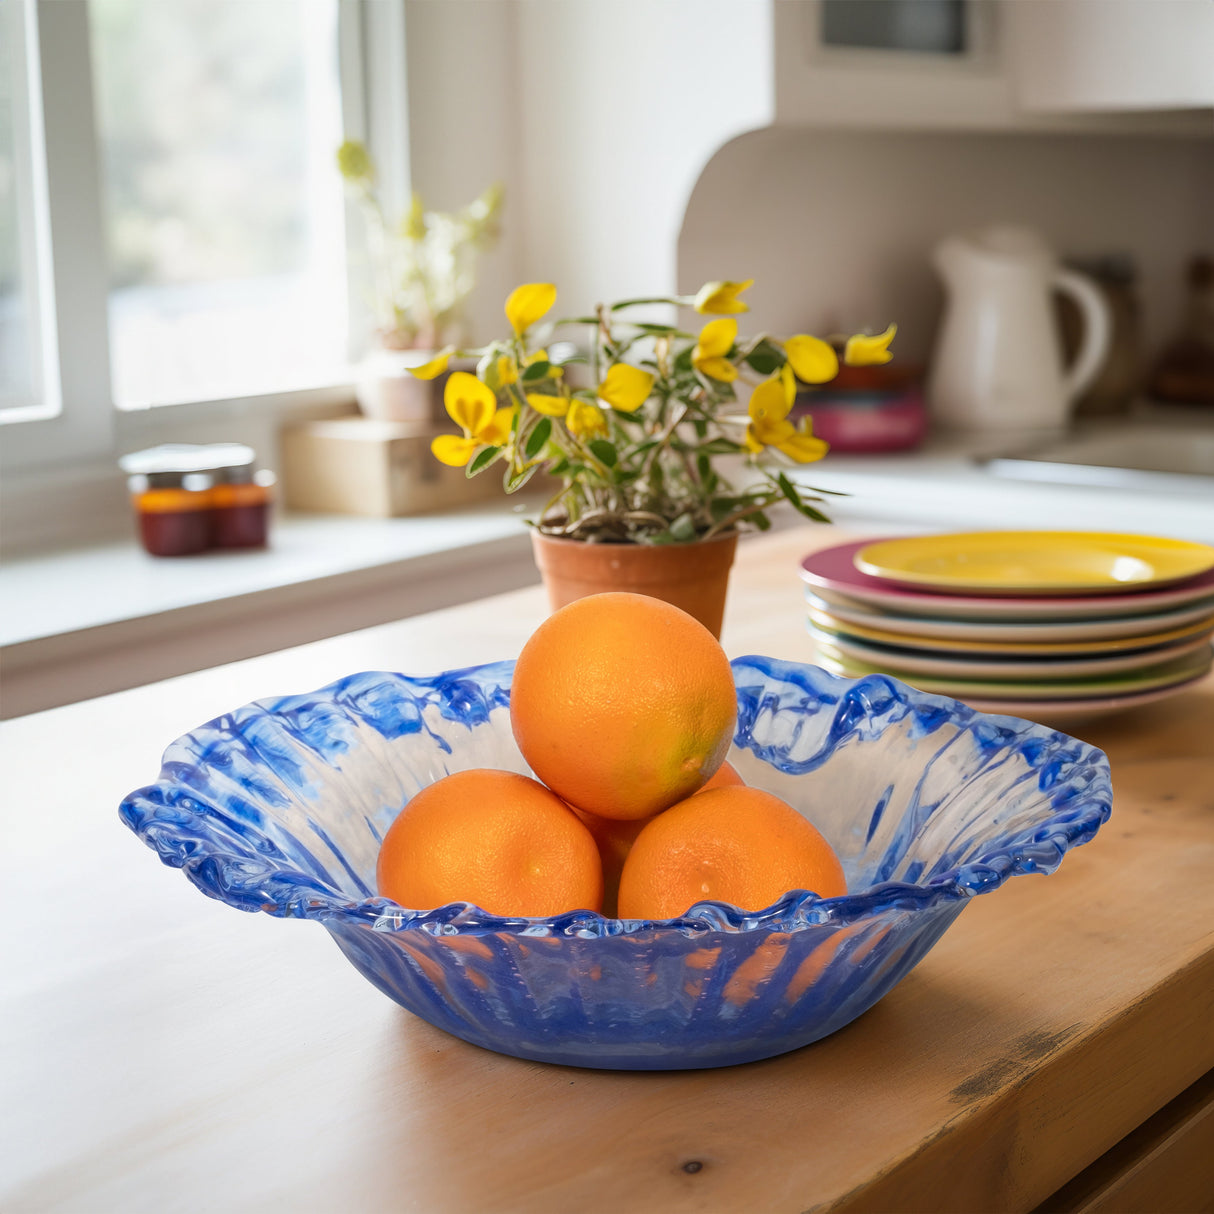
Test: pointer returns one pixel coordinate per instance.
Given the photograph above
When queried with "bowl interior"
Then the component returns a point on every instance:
(282, 804)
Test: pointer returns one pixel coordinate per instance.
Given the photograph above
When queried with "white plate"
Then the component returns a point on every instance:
(838, 647)
(1183, 670)
(1066, 714)
(1053, 631)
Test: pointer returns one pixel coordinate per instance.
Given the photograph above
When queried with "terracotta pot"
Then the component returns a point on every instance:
(692, 576)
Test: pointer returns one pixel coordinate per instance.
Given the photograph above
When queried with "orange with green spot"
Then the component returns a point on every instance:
(623, 705)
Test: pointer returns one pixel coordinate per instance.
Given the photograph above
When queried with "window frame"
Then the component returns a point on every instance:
(88, 428)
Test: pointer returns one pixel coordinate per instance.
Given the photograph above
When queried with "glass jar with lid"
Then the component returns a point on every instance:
(170, 489)
(241, 498)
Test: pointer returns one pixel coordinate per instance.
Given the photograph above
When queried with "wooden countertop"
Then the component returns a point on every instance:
(162, 1051)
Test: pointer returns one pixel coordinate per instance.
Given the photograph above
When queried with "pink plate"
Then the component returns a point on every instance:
(836, 579)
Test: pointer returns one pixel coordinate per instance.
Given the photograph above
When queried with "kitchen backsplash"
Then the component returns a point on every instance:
(836, 227)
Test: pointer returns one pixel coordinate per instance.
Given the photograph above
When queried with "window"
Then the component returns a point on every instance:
(28, 371)
(217, 122)
(171, 218)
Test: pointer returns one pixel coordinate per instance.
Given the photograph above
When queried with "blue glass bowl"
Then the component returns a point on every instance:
(280, 807)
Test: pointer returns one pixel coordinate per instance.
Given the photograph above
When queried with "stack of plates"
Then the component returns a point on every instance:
(1031, 623)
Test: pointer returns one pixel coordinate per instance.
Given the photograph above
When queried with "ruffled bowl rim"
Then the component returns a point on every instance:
(1088, 808)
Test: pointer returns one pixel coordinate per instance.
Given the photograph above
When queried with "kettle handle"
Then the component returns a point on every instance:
(1097, 329)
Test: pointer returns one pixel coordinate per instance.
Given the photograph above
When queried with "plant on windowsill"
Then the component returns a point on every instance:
(423, 268)
(635, 430)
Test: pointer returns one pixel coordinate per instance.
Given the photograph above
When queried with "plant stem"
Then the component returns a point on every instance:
(737, 516)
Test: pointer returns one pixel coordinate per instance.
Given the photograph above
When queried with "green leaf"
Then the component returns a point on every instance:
(786, 488)
(765, 358)
(791, 492)
(536, 370)
(629, 303)
(761, 521)
(604, 451)
(806, 509)
(660, 330)
(486, 369)
(560, 467)
(682, 360)
(683, 528)
(481, 460)
(719, 446)
(538, 437)
(513, 483)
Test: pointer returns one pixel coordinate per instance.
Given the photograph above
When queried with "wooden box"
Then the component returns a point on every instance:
(360, 465)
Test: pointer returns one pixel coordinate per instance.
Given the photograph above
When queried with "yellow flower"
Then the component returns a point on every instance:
(354, 162)
(585, 420)
(435, 367)
(414, 224)
(474, 408)
(526, 304)
(625, 387)
(716, 340)
(769, 425)
(864, 351)
(542, 356)
(719, 298)
(507, 371)
(813, 360)
(789, 382)
(550, 406)
(497, 432)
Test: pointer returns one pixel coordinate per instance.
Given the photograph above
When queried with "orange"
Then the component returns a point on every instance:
(737, 844)
(614, 839)
(726, 777)
(623, 704)
(493, 838)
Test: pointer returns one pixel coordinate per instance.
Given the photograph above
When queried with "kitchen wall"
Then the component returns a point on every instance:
(836, 227)
(597, 117)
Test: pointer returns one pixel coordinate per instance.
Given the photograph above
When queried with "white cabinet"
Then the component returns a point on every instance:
(1079, 55)
(1031, 65)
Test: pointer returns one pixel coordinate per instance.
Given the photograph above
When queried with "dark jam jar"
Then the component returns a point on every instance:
(240, 501)
(173, 510)
(170, 490)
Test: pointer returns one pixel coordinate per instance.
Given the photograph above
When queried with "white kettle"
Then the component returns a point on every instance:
(997, 365)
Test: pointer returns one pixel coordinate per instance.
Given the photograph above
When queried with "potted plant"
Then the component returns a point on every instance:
(639, 430)
(423, 269)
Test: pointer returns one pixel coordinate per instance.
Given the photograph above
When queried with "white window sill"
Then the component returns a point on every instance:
(87, 622)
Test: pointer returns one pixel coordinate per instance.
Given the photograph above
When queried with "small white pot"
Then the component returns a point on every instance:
(385, 389)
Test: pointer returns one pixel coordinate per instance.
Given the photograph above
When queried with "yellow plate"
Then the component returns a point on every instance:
(1042, 562)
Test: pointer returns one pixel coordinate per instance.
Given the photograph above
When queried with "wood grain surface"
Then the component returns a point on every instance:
(162, 1052)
